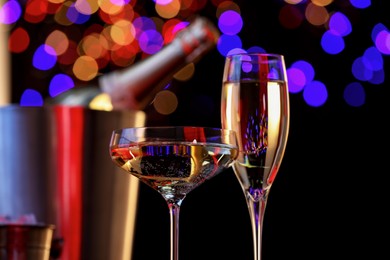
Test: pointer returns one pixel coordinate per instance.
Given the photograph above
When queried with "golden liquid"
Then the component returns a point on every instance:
(259, 113)
(174, 169)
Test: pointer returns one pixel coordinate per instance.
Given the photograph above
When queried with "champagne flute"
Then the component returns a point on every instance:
(255, 104)
(173, 161)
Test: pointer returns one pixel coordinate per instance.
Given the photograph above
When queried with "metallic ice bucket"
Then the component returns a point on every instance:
(55, 164)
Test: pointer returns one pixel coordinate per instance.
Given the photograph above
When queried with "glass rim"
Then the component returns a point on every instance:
(26, 225)
(183, 133)
(175, 127)
(265, 54)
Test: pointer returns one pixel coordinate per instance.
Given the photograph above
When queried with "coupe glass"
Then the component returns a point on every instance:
(173, 161)
(255, 104)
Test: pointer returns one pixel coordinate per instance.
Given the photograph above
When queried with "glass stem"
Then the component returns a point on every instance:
(256, 211)
(174, 210)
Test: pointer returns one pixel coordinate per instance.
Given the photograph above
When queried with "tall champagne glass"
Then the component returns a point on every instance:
(173, 161)
(255, 104)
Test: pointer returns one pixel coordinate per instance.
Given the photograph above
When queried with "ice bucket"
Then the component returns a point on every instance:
(55, 164)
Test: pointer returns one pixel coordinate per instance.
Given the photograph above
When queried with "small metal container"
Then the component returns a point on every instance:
(25, 241)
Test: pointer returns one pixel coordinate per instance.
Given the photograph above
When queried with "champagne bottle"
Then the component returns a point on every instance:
(136, 86)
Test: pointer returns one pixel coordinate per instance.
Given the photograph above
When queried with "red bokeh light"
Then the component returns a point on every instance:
(18, 40)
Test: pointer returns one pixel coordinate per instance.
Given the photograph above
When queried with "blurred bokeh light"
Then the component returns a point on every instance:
(80, 40)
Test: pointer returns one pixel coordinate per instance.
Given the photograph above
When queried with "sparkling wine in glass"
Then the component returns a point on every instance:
(255, 104)
(173, 161)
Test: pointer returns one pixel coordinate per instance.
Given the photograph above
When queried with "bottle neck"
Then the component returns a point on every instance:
(136, 86)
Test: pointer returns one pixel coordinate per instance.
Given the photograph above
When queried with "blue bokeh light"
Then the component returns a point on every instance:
(360, 3)
(332, 43)
(296, 80)
(307, 69)
(10, 12)
(299, 74)
(236, 51)
(379, 27)
(142, 24)
(360, 71)
(315, 93)
(151, 41)
(44, 58)
(339, 24)
(75, 16)
(59, 84)
(378, 77)
(256, 49)
(372, 59)
(227, 43)
(31, 98)
(230, 22)
(381, 38)
(354, 94)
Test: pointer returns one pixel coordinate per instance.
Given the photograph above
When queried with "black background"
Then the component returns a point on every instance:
(328, 200)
